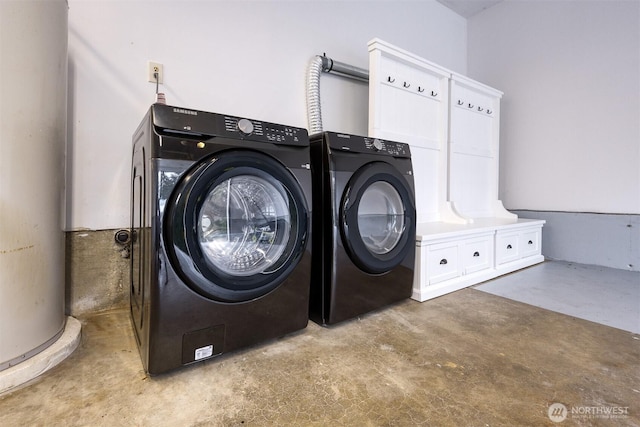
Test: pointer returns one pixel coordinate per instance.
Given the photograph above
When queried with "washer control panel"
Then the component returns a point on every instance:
(396, 149)
(272, 132)
(269, 132)
(364, 144)
(243, 126)
(201, 124)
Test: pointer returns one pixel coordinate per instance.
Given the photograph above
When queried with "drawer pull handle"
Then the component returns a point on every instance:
(530, 242)
(407, 85)
(476, 254)
(420, 89)
(509, 247)
(434, 93)
(443, 261)
(390, 79)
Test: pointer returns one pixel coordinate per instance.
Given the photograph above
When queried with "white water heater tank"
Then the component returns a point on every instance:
(33, 118)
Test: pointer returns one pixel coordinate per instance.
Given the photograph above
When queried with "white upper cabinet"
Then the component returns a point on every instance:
(409, 102)
(453, 126)
(474, 135)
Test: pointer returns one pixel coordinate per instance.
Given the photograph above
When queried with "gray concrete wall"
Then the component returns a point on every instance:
(610, 240)
(97, 273)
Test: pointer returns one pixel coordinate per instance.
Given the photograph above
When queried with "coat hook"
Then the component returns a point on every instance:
(420, 89)
(405, 84)
(460, 102)
(390, 80)
(434, 93)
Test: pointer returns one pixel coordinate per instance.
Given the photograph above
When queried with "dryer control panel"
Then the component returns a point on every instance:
(365, 144)
(170, 120)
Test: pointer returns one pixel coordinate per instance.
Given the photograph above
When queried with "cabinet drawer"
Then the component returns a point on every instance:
(530, 243)
(477, 254)
(507, 247)
(443, 262)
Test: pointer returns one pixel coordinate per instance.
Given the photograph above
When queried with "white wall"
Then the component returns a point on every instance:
(570, 70)
(234, 57)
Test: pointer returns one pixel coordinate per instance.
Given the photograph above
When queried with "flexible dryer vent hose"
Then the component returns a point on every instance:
(314, 114)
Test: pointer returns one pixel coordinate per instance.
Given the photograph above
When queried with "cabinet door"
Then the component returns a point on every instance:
(443, 262)
(507, 247)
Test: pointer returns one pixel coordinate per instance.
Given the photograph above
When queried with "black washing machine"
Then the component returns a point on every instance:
(221, 214)
(364, 228)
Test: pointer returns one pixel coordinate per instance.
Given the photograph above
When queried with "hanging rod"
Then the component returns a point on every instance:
(344, 70)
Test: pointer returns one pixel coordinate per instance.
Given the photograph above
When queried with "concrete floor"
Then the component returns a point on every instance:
(469, 358)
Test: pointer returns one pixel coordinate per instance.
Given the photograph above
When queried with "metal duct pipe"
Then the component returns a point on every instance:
(345, 70)
(314, 114)
(318, 65)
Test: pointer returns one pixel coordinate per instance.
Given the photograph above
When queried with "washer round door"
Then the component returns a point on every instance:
(378, 218)
(236, 225)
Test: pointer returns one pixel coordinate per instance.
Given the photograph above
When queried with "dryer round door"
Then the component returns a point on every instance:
(236, 226)
(378, 218)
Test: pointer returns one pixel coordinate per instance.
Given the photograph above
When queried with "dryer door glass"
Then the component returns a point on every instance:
(381, 217)
(244, 225)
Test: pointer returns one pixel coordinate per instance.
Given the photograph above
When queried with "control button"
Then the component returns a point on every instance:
(245, 126)
(377, 145)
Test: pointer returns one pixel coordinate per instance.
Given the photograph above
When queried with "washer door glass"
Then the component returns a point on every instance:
(236, 225)
(381, 217)
(244, 225)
